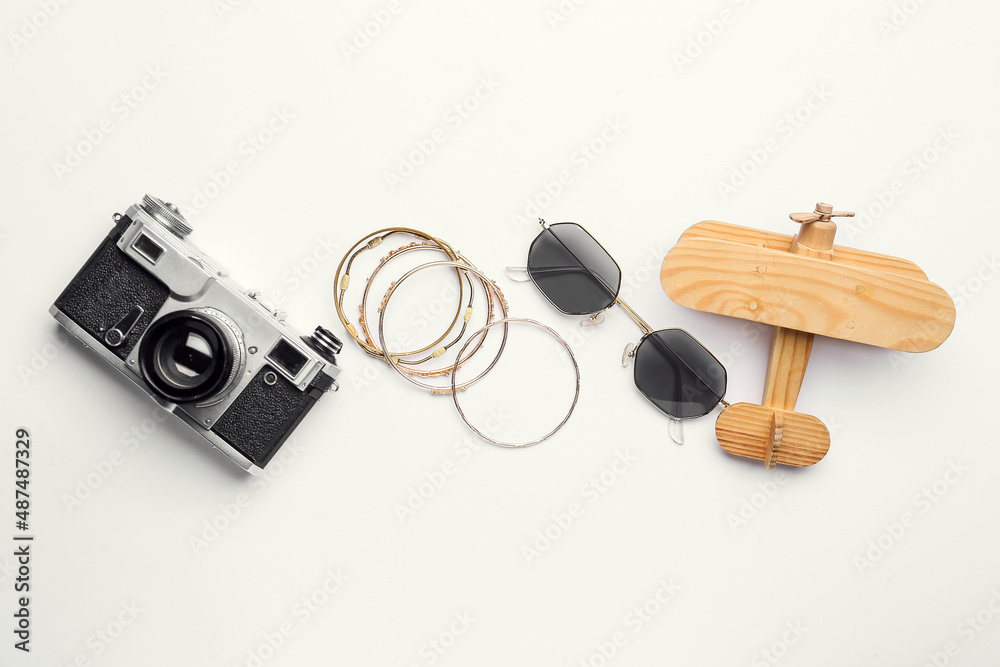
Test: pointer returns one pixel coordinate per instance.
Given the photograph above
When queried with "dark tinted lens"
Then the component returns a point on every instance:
(678, 374)
(572, 269)
(184, 357)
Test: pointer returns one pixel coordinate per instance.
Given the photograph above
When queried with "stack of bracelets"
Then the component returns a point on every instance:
(412, 365)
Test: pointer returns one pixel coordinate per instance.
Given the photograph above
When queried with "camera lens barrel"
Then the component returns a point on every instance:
(192, 355)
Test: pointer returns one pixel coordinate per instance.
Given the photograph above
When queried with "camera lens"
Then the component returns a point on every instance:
(190, 355)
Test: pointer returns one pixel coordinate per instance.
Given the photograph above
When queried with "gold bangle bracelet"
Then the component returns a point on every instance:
(342, 280)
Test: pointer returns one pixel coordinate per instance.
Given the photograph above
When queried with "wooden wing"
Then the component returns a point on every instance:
(859, 296)
(724, 231)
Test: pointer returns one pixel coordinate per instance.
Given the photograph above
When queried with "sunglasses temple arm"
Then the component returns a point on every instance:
(646, 329)
(519, 274)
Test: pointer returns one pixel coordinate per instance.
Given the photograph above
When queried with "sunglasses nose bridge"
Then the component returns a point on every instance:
(634, 316)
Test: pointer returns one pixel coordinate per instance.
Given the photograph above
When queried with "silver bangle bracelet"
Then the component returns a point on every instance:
(455, 392)
(409, 376)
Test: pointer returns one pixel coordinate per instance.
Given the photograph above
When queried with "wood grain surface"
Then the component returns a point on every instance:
(724, 231)
(744, 429)
(823, 297)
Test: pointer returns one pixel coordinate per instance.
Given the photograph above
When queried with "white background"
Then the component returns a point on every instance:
(751, 552)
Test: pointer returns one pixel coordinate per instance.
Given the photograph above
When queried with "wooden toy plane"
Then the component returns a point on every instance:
(802, 285)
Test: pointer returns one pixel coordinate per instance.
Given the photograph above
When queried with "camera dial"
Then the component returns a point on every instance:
(193, 355)
(323, 341)
(167, 215)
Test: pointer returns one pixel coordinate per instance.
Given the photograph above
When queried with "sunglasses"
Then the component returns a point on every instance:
(671, 368)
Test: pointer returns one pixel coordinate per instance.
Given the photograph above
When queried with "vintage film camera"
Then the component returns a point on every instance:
(172, 321)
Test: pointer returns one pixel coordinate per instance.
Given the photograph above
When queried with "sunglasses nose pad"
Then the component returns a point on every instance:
(518, 274)
(628, 353)
(594, 320)
(675, 428)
